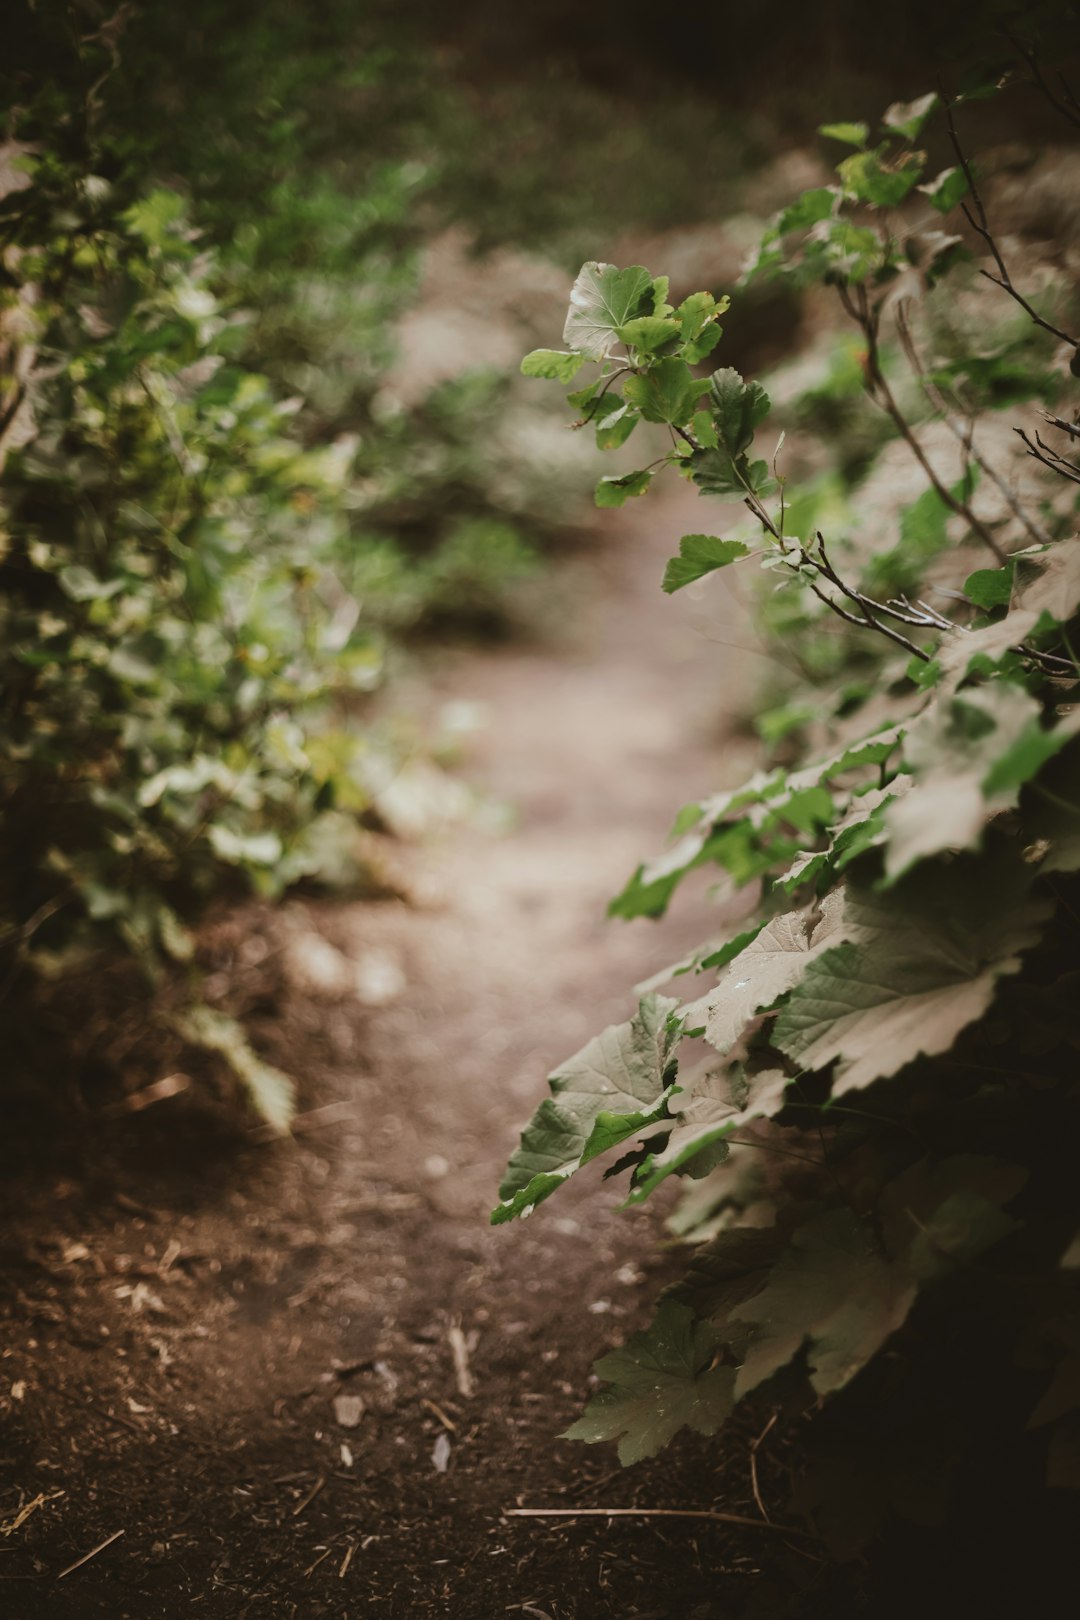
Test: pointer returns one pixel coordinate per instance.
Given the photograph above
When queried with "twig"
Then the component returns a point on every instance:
(1068, 107)
(652, 1513)
(346, 1561)
(977, 219)
(878, 388)
(21, 932)
(1071, 428)
(459, 1349)
(310, 1497)
(437, 1411)
(86, 1557)
(966, 436)
(1049, 457)
(313, 1567)
(27, 1509)
(754, 1445)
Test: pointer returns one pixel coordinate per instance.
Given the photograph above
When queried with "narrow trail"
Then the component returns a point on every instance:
(310, 1384)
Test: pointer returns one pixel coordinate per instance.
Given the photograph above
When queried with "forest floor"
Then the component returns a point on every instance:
(307, 1377)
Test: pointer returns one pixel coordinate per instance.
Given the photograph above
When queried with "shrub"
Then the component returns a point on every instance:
(876, 1150)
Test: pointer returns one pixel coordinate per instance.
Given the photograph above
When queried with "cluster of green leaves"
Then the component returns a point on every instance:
(211, 529)
(169, 664)
(876, 1126)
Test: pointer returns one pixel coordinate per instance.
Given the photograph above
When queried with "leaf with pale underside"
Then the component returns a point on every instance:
(706, 1115)
(1056, 588)
(602, 299)
(774, 961)
(915, 969)
(970, 752)
(661, 1381)
(613, 1087)
(960, 648)
(951, 750)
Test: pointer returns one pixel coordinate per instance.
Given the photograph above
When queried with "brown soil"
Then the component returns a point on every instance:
(181, 1316)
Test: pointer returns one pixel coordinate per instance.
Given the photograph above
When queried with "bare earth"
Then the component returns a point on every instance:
(307, 1378)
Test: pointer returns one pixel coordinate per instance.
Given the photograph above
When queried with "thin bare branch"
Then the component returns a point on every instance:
(879, 390)
(976, 216)
(965, 434)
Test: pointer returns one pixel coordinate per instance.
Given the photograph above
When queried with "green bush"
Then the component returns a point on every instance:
(877, 1150)
(212, 525)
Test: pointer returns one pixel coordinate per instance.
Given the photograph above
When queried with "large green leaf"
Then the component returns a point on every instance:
(661, 1381)
(970, 752)
(602, 299)
(773, 962)
(737, 409)
(918, 966)
(667, 393)
(950, 750)
(552, 363)
(700, 554)
(842, 1284)
(833, 1290)
(649, 332)
(613, 1087)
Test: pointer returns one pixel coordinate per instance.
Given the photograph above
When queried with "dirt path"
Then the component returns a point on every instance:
(176, 1353)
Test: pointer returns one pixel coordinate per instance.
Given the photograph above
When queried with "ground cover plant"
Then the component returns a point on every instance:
(876, 1146)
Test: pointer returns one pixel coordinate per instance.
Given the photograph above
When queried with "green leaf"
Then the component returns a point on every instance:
(779, 956)
(701, 348)
(834, 1291)
(737, 409)
(602, 300)
(704, 431)
(923, 536)
(706, 1114)
(591, 399)
(917, 967)
(700, 554)
(552, 363)
(853, 134)
(808, 210)
(625, 1072)
(667, 392)
(616, 489)
(1025, 756)
(272, 1093)
(695, 313)
(946, 189)
(723, 954)
(869, 178)
(908, 117)
(969, 752)
(661, 1381)
(614, 429)
(649, 332)
(991, 587)
(942, 1214)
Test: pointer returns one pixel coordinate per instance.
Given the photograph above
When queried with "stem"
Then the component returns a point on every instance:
(879, 388)
(977, 219)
